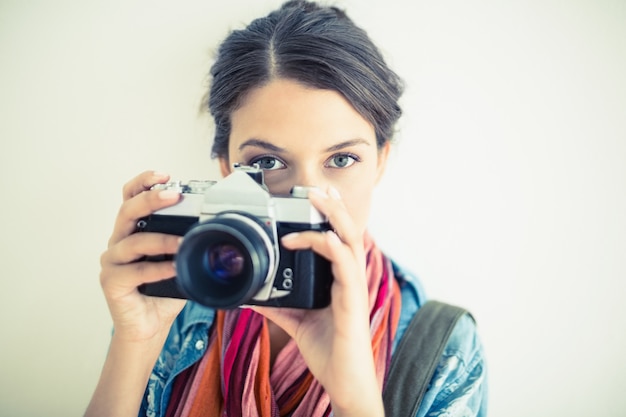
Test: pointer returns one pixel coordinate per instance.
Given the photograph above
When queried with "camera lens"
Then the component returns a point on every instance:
(224, 262)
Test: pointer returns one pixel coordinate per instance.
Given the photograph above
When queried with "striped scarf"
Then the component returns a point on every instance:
(233, 377)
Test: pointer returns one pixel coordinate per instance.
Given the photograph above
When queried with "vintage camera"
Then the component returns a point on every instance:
(231, 254)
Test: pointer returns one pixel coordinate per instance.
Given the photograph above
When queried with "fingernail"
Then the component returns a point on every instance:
(160, 174)
(334, 193)
(169, 195)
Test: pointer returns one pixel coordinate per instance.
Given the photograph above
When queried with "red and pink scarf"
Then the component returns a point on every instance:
(233, 377)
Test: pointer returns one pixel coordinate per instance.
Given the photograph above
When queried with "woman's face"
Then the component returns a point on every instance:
(310, 137)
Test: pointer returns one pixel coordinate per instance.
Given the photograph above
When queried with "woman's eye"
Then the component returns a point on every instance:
(268, 163)
(343, 160)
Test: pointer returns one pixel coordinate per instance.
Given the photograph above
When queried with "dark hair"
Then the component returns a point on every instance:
(314, 45)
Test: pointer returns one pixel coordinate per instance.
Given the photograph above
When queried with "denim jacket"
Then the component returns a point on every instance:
(457, 389)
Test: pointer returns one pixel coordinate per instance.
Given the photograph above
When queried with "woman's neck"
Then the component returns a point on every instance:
(278, 339)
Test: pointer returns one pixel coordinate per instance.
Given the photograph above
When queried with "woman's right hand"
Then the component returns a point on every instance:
(136, 317)
(141, 323)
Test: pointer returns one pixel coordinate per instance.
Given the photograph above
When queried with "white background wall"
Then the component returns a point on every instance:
(506, 191)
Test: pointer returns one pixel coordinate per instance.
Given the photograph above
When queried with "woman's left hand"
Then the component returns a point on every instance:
(335, 341)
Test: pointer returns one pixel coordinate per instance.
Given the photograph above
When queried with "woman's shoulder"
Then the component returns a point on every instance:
(459, 383)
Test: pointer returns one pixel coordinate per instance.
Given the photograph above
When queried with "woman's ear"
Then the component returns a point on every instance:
(383, 156)
(224, 166)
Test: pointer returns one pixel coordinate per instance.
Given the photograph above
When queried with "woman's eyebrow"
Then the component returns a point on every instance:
(259, 143)
(347, 144)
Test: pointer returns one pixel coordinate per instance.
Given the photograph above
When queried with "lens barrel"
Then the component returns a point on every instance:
(224, 261)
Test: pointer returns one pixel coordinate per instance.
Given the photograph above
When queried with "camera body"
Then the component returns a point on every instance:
(230, 254)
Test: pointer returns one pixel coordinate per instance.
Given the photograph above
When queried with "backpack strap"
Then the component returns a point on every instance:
(415, 360)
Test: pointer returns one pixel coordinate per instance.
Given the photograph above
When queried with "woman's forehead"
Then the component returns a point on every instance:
(284, 111)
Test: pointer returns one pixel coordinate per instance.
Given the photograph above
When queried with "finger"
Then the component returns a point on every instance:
(348, 270)
(143, 182)
(140, 206)
(327, 245)
(120, 279)
(331, 206)
(307, 240)
(138, 245)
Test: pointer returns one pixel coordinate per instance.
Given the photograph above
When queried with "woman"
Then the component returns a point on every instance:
(304, 94)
